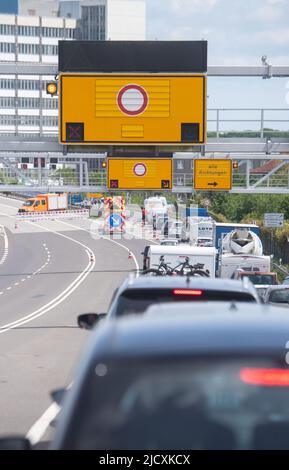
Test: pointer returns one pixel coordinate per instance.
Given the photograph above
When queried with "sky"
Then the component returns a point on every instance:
(239, 32)
(8, 6)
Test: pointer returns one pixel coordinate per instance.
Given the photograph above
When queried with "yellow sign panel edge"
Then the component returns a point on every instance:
(185, 144)
(140, 160)
(215, 160)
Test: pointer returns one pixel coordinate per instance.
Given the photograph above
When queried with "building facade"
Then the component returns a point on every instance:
(25, 106)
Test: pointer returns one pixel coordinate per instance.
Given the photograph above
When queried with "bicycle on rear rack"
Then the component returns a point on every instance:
(163, 269)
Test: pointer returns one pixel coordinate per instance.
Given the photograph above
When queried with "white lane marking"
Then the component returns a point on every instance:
(55, 301)
(8, 288)
(6, 245)
(38, 429)
(16, 284)
(64, 294)
(108, 239)
(23, 280)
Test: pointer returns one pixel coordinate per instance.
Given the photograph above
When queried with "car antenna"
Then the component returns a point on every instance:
(188, 279)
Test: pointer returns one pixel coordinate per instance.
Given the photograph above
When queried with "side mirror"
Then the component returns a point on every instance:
(87, 321)
(15, 443)
(58, 395)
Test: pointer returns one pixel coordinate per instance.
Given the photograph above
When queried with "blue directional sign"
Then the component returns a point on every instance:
(115, 220)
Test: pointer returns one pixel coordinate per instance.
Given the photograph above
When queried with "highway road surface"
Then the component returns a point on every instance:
(50, 272)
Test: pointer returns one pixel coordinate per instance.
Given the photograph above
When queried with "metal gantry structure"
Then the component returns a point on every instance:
(261, 160)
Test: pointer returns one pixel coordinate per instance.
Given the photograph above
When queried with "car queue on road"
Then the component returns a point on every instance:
(181, 360)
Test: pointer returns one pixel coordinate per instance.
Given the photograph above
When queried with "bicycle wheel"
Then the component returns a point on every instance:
(154, 272)
(199, 273)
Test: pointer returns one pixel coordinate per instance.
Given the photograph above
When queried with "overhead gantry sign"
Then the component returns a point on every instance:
(151, 93)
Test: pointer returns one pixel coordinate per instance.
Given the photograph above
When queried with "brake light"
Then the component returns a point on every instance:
(265, 377)
(188, 292)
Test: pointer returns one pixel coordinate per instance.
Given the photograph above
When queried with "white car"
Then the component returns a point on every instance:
(169, 242)
(205, 241)
(176, 229)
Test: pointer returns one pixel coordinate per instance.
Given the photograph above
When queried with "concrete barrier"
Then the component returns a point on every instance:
(54, 215)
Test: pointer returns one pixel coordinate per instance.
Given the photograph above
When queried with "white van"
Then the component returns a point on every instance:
(177, 254)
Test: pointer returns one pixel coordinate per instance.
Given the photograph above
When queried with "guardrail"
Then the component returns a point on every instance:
(222, 122)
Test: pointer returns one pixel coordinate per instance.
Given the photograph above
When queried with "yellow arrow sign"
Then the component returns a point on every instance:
(213, 175)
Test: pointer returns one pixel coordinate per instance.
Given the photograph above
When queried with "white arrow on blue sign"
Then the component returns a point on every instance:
(115, 220)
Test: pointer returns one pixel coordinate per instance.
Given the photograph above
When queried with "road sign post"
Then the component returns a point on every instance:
(212, 174)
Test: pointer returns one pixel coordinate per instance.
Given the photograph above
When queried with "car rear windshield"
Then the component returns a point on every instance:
(261, 279)
(280, 296)
(138, 300)
(183, 404)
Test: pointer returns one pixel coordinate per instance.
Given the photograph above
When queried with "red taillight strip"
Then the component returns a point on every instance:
(195, 292)
(265, 377)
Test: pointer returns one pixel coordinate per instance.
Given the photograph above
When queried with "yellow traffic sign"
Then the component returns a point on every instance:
(94, 195)
(151, 109)
(213, 174)
(139, 174)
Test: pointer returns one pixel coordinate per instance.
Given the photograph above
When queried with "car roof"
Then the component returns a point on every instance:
(278, 287)
(194, 329)
(182, 250)
(171, 282)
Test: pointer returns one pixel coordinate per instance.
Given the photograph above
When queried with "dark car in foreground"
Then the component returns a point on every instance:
(217, 379)
(135, 295)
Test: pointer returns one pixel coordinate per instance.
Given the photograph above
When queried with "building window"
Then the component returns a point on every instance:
(53, 32)
(92, 23)
(50, 103)
(7, 83)
(49, 50)
(28, 120)
(7, 102)
(7, 29)
(28, 31)
(180, 164)
(29, 103)
(70, 33)
(50, 121)
(7, 48)
(32, 49)
(28, 84)
(7, 120)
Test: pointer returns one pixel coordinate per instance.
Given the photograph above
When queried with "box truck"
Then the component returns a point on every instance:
(45, 203)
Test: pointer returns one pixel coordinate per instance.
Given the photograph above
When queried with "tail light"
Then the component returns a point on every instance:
(193, 292)
(265, 377)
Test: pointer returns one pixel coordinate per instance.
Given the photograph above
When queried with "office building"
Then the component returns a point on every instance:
(25, 106)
